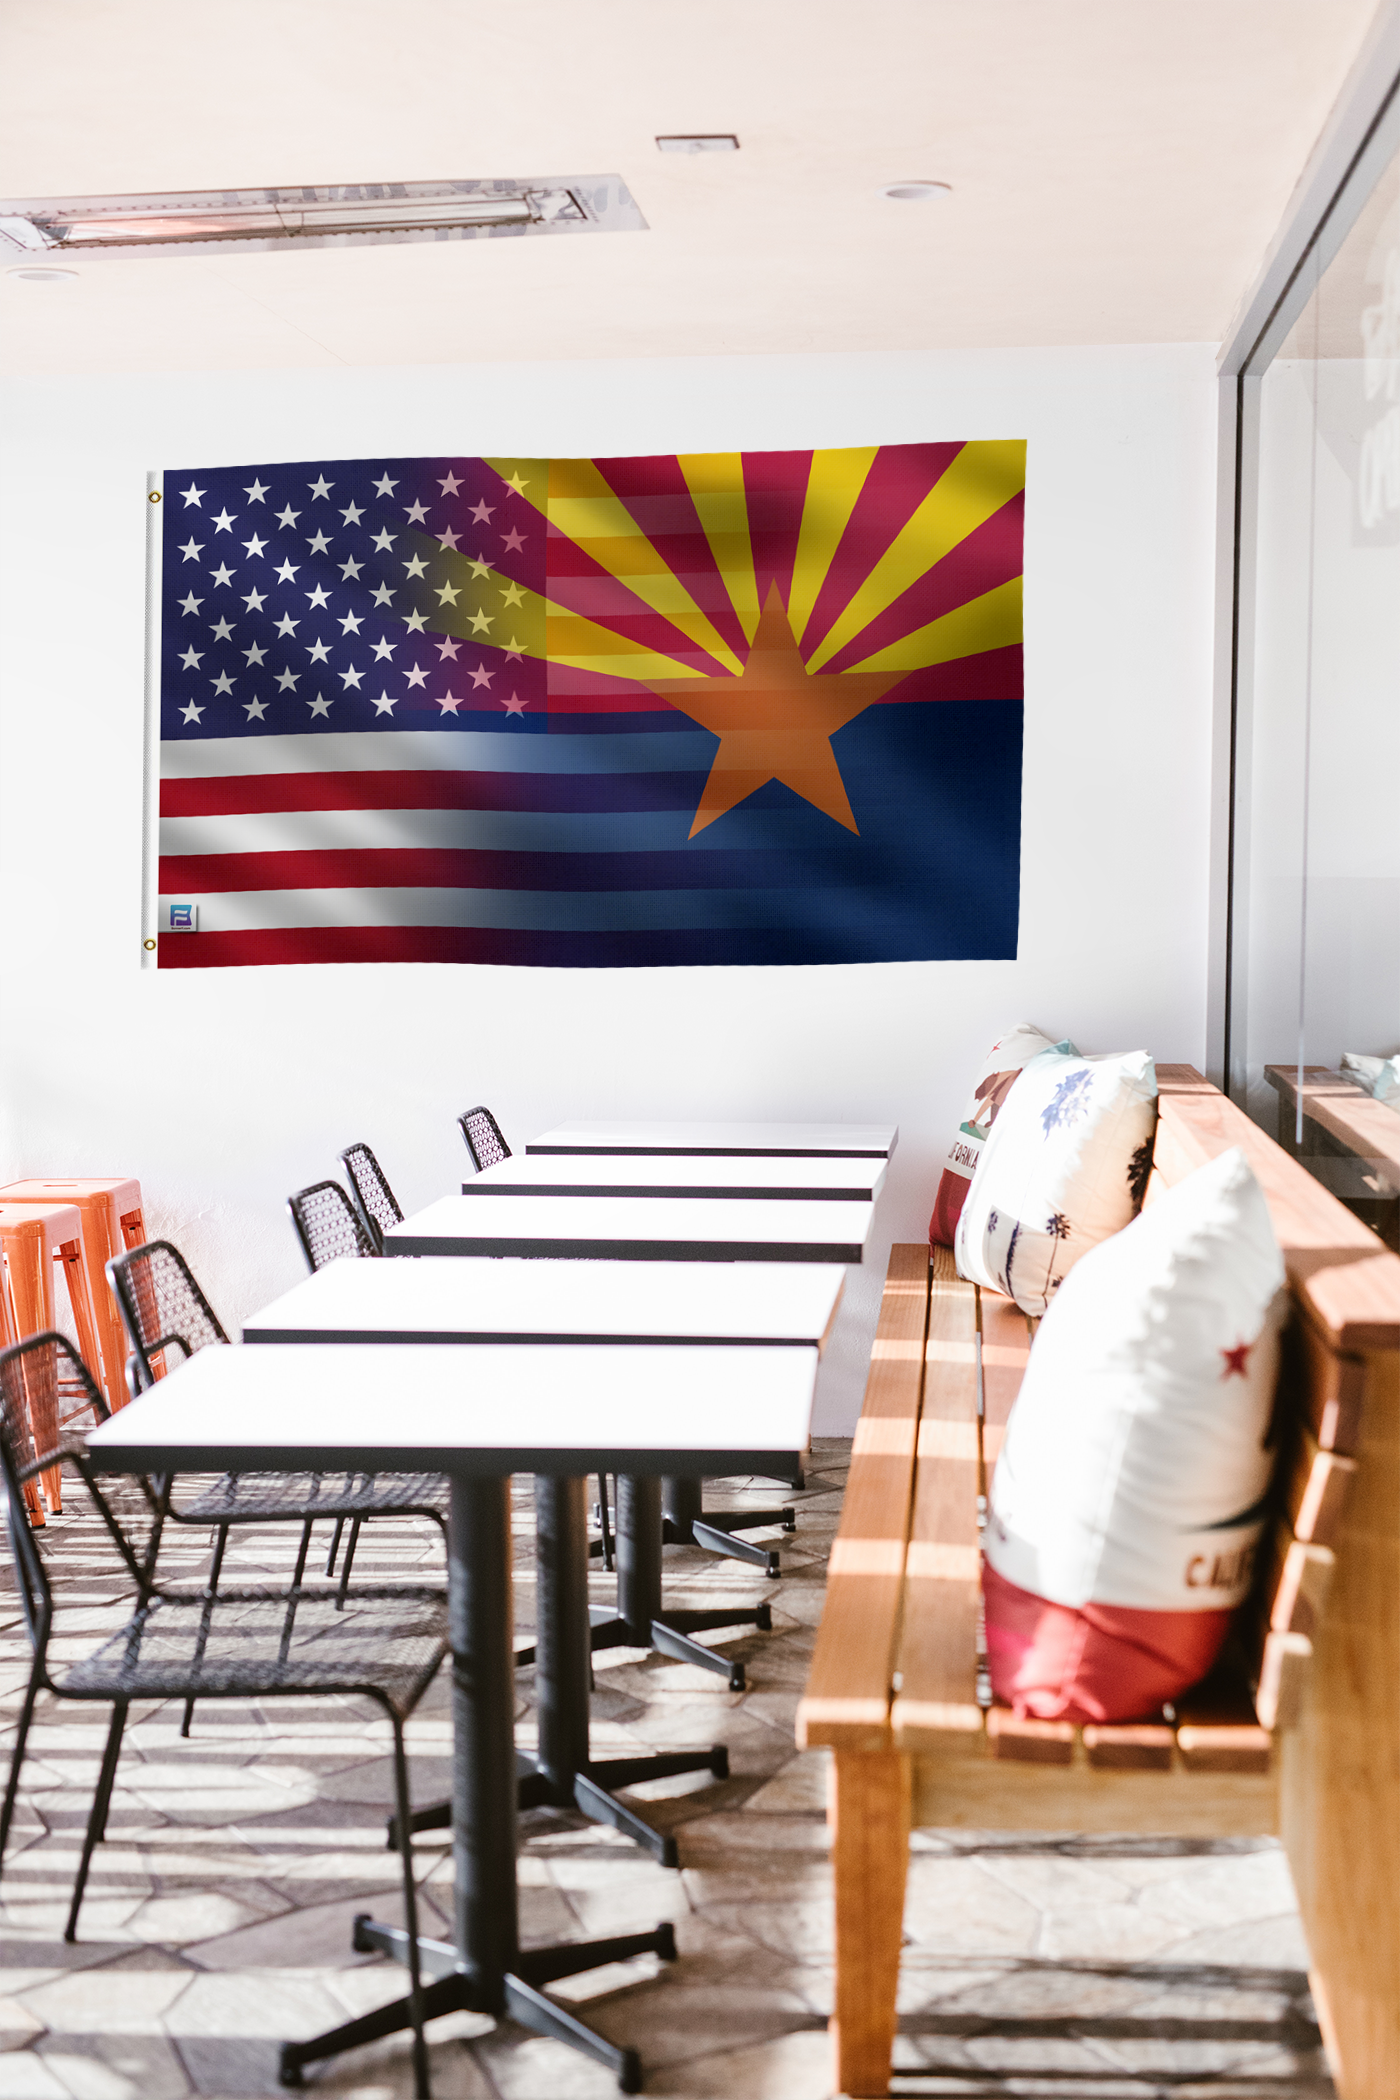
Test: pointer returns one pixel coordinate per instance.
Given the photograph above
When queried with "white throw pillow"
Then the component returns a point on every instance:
(1134, 1469)
(1065, 1164)
(1379, 1075)
(996, 1076)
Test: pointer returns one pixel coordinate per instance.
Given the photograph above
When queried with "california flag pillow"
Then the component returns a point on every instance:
(1065, 1164)
(1130, 1493)
(998, 1074)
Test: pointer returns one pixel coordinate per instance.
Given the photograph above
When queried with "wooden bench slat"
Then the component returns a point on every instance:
(937, 1665)
(1006, 1348)
(1020, 1740)
(1322, 1386)
(1316, 1490)
(1283, 1679)
(846, 1703)
(1148, 1747)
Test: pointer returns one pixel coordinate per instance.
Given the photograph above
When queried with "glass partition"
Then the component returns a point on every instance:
(1315, 1014)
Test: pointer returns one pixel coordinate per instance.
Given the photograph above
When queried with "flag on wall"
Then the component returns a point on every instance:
(758, 707)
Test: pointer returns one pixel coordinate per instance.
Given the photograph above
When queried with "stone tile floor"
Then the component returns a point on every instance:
(217, 1921)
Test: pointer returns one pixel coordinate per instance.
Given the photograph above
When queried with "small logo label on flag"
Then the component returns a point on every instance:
(181, 918)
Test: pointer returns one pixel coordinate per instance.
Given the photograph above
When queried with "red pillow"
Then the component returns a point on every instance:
(1094, 1662)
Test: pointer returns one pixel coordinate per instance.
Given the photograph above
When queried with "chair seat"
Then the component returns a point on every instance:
(247, 1498)
(251, 1642)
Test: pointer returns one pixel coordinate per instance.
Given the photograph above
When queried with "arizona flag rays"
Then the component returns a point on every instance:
(759, 707)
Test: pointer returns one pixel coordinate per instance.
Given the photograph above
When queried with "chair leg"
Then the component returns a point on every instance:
(97, 1821)
(335, 1547)
(603, 1524)
(215, 1568)
(350, 1544)
(410, 1915)
(26, 1715)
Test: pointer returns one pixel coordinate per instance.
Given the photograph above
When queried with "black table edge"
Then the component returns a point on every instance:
(476, 1463)
(481, 1186)
(396, 1242)
(455, 1338)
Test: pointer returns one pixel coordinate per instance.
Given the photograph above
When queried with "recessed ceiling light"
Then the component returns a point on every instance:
(348, 214)
(916, 192)
(697, 142)
(38, 276)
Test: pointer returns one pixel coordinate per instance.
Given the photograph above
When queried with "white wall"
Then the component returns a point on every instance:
(224, 1090)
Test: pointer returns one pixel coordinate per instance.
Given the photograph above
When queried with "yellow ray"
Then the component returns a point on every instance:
(528, 478)
(450, 598)
(716, 484)
(584, 646)
(992, 621)
(582, 506)
(981, 479)
(833, 485)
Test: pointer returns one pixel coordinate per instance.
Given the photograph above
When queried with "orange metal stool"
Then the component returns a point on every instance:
(32, 1237)
(112, 1224)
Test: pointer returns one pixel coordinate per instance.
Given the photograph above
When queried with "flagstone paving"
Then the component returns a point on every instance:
(217, 1922)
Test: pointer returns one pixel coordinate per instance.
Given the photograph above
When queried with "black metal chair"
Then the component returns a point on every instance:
(329, 1230)
(379, 1206)
(328, 1225)
(481, 1134)
(163, 1310)
(210, 1644)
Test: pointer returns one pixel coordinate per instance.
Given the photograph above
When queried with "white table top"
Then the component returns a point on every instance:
(793, 1180)
(733, 1140)
(451, 1299)
(636, 1228)
(487, 1411)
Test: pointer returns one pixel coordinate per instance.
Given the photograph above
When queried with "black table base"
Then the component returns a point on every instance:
(483, 1969)
(686, 1522)
(640, 1620)
(564, 1774)
(447, 1987)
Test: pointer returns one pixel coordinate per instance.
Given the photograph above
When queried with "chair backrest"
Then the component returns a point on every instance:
(31, 1375)
(482, 1134)
(22, 1368)
(379, 1206)
(327, 1225)
(161, 1305)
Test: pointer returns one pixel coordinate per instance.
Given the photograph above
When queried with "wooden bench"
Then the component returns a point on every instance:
(1299, 1734)
(1358, 1137)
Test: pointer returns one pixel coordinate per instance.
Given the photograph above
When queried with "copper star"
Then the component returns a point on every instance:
(775, 721)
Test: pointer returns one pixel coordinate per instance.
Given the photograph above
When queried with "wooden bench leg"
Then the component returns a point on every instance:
(869, 1816)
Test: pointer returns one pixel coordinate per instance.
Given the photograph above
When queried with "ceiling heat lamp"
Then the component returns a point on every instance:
(354, 215)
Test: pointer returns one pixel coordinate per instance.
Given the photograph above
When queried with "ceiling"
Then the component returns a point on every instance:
(1117, 170)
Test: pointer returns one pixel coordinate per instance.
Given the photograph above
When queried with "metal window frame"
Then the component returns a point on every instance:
(1357, 144)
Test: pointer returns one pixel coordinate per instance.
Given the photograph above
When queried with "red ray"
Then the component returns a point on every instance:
(991, 555)
(654, 493)
(899, 479)
(775, 487)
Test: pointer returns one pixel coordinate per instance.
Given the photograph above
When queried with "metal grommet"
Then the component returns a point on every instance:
(148, 944)
(154, 496)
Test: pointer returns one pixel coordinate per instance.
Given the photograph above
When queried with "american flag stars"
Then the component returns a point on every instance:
(387, 578)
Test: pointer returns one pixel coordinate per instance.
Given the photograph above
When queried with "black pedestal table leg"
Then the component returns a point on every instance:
(686, 1522)
(485, 1971)
(640, 1531)
(562, 1677)
(483, 1736)
(562, 1667)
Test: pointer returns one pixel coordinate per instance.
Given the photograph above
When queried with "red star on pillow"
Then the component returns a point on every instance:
(1235, 1360)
